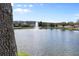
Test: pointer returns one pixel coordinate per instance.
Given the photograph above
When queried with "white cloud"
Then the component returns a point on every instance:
(30, 5)
(41, 4)
(77, 15)
(25, 5)
(20, 10)
(19, 5)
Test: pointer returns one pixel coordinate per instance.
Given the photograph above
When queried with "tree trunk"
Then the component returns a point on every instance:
(7, 39)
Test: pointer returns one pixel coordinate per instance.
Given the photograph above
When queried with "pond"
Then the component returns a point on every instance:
(47, 42)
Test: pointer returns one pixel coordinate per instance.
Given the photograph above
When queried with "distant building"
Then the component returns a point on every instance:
(76, 26)
(68, 26)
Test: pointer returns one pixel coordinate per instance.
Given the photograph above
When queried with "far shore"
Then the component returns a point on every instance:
(46, 25)
(71, 29)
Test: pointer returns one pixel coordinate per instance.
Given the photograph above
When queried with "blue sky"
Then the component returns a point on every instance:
(50, 12)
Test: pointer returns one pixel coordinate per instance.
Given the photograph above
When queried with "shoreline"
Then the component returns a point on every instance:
(71, 29)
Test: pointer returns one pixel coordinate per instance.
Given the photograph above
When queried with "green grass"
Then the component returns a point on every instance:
(23, 27)
(22, 54)
(70, 29)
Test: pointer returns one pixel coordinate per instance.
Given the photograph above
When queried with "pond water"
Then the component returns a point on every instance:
(47, 42)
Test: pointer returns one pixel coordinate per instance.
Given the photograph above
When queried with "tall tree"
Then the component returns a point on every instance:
(63, 24)
(7, 39)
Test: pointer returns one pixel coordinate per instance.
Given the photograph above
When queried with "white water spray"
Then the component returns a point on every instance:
(36, 25)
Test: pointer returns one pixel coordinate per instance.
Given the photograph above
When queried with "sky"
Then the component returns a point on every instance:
(47, 12)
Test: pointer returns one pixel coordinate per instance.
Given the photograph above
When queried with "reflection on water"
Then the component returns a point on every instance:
(46, 42)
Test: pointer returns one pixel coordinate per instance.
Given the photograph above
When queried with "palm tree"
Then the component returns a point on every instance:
(7, 40)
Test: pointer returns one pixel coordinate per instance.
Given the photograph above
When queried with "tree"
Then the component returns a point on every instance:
(7, 40)
(71, 23)
(40, 24)
(56, 24)
(63, 24)
(77, 23)
(52, 25)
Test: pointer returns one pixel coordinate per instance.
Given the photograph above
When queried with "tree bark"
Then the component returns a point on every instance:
(7, 39)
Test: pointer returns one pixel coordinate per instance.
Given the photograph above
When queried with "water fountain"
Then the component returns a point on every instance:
(36, 25)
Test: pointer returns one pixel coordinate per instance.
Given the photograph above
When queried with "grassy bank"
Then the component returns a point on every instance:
(77, 29)
(23, 27)
(23, 54)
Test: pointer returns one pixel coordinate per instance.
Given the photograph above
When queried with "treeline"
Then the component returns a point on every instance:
(22, 24)
(41, 24)
(62, 24)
